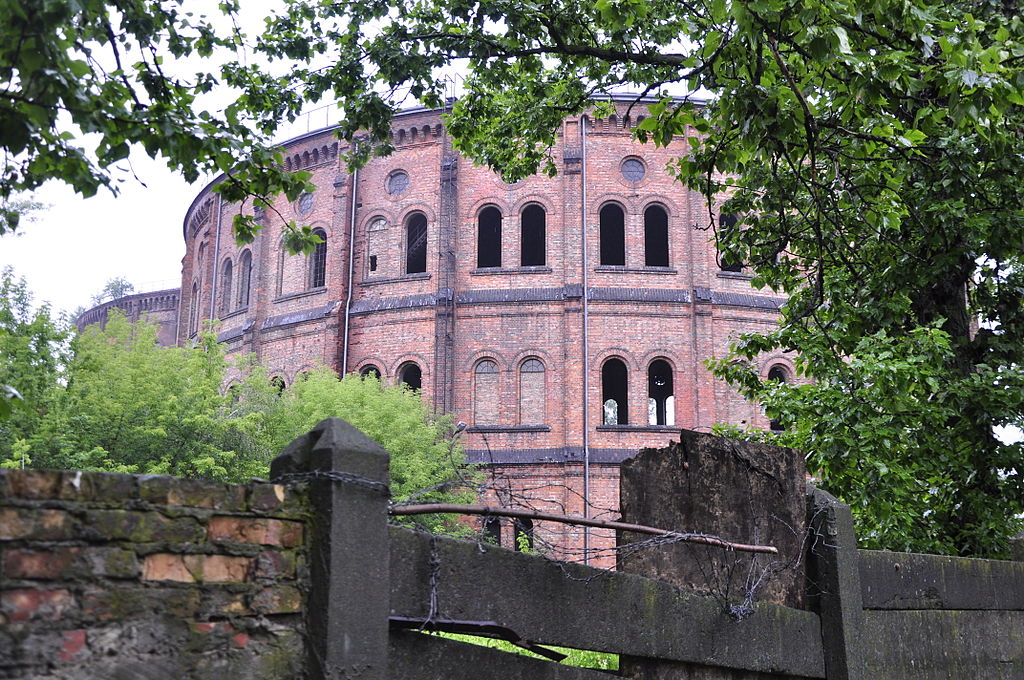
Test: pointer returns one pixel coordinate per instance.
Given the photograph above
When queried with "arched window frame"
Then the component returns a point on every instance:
(193, 312)
(405, 377)
(318, 261)
(488, 237)
(416, 232)
(226, 294)
(370, 369)
(612, 219)
(244, 278)
(779, 373)
(660, 393)
(486, 392)
(656, 245)
(533, 236)
(615, 388)
(532, 382)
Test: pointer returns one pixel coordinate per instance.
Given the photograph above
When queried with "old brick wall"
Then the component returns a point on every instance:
(119, 576)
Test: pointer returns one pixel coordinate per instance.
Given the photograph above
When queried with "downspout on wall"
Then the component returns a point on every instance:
(351, 272)
(586, 340)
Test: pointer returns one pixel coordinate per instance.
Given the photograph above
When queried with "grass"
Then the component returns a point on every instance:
(582, 658)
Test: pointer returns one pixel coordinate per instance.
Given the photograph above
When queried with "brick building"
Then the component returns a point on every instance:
(564, 320)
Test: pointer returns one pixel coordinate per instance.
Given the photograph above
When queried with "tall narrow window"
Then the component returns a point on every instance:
(244, 278)
(531, 393)
(660, 399)
(416, 244)
(488, 238)
(613, 235)
(193, 312)
(614, 386)
(523, 534)
(225, 288)
(318, 261)
(727, 225)
(492, 530)
(655, 237)
(778, 373)
(533, 235)
(485, 393)
(411, 375)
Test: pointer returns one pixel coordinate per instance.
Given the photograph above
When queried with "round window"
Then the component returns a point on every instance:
(398, 182)
(633, 169)
(305, 203)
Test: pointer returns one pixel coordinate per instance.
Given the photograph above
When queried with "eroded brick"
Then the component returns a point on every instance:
(30, 604)
(259, 530)
(166, 567)
(35, 524)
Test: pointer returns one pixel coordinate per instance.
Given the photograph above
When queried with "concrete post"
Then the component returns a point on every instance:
(834, 572)
(348, 605)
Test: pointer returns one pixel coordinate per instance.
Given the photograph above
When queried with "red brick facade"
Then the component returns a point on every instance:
(513, 348)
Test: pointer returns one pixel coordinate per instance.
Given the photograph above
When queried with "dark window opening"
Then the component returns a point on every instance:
(373, 263)
(777, 373)
(416, 244)
(318, 261)
(488, 253)
(533, 236)
(492, 530)
(370, 370)
(244, 278)
(727, 225)
(613, 235)
(225, 294)
(193, 321)
(614, 386)
(660, 399)
(412, 376)
(523, 534)
(655, 237)
(277, 382)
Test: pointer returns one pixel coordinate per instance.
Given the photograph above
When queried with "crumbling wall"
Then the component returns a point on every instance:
(120, 576)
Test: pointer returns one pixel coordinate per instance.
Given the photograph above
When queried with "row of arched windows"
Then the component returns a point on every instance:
(613, 236)
(532, 237)
(234, 297)
(486, 391)
(615, 393)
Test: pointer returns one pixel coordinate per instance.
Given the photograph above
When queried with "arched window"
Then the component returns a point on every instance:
(370, 370)
(488, 238)
(655, 237)
(492, 530)
(376, 246)
(778, 373)
(727, 225)
(277, 382)
(485, 393)
(225, 287)
(523, 533)
(193, 312)
(532, 236)
(531, 393)
(660, 399)
(416, 244)
(613, 235)
(411, 375)
(244, 278)
(318, 261)
(614, 388)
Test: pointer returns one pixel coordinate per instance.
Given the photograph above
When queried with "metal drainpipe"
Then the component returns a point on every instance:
(586, 342)
(216, 258)
(351, 269)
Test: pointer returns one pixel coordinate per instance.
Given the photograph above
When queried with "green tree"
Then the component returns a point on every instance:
(114, 289)
(33, 348)
(871, 151)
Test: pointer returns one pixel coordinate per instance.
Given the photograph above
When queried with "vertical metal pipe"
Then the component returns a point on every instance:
(586, 340)
(351, 269)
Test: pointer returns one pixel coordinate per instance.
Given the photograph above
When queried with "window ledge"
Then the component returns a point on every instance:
(734, 275)
(234, 313)
(419, 276)
(487, 271)
(301, 294)
(638, 428)
(620, 269)
(509, 428)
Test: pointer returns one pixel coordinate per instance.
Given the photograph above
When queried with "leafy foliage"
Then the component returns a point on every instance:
(32, 352)
(114, 289)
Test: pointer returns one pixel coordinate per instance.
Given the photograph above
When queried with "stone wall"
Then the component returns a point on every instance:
(119, 576)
